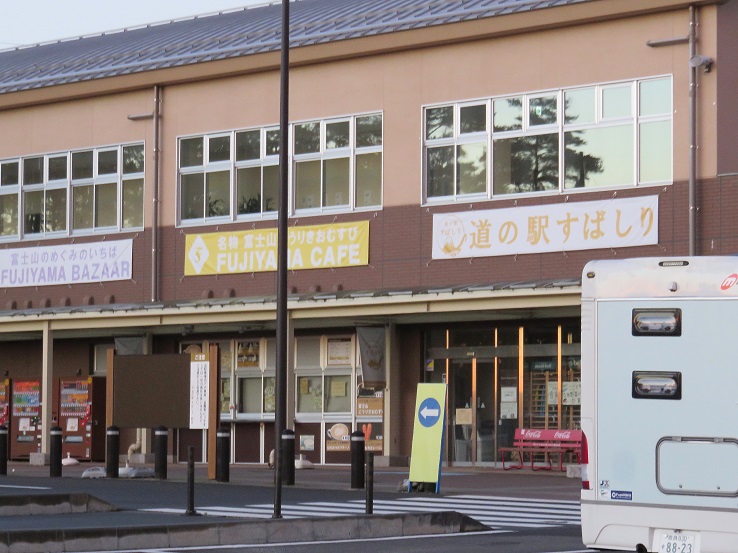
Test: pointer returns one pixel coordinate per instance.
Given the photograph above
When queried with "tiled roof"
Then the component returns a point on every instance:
(233, 34)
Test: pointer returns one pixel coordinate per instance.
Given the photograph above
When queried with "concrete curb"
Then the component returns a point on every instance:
(232, 533)
(52, 504)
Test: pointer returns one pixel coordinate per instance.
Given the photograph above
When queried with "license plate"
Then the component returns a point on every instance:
(677, 542)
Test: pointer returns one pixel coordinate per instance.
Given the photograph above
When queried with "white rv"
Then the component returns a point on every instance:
(660, 405)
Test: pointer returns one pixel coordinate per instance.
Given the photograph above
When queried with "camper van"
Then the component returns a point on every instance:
(660, 405)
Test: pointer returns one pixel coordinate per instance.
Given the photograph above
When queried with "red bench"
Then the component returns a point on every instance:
(532, 441)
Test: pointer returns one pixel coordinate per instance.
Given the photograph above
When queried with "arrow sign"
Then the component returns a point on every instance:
(429, 412)
(426, 412)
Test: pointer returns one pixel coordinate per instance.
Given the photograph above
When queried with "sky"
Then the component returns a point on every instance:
(24, 22)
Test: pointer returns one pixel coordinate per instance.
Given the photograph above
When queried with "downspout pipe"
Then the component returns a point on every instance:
(155, 201)
(692, 131)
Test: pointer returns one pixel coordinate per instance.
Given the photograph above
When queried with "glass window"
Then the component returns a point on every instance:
(55, 217)
(471, 175)
(9, 173)
(599, 157)
(616, 102)
(307, 138)
(106, 205)
(272, 142)
(190, 152)
(271, 188)
(82, 164)
(655, 151)
(219, 148)
(133, 198)
(248, 354)
(580, 105)
(307, 184)
(440, 171)
(193, 198)
(82, 200)
(33, 170)
(336, 182)
(249, 190)
(57, 168)
(337, 135)
(507, 114)
(543, 110)
(655, 97)
(33, 211)
(368, 179)
(473, 119)
(309, 394)
(107, 162)
(248, 145)
(338, 394)
(250, 394)
(133, 159)
(368, 131)
(526, 164)
(218, 193)
(8, 214)
(270, 394)
(439, 122)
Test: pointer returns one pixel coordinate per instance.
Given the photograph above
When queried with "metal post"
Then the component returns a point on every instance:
(288, 457)
(223, 454)
(55, 451)
(369, 482)
(161, 436)
(3, 450)
(112, 452)
(190, 481)
(357, 459)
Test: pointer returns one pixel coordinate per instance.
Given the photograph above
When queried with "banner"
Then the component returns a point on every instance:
(66, 264)
(371, 353)
(615, 223)
(255, 251)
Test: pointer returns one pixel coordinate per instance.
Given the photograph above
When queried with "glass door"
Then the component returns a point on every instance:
(461, 411)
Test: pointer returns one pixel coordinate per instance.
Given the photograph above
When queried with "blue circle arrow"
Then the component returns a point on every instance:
(429, 412)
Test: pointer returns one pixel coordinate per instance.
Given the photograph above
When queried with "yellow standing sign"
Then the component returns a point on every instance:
(430, 417)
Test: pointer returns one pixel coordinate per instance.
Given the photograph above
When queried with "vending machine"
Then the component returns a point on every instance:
(5, 403)
(25, 421)
(82, 418)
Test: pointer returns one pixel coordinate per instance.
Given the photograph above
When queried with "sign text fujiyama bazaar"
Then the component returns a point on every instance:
(254, 251)
(548, 228)
(66, 264)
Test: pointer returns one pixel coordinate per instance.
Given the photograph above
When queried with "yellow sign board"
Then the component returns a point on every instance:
(430, 417)
(254, 251)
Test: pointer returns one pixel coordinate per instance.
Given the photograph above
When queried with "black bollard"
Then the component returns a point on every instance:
(357, 459)
(223, 454)
(190, 481)
(112, 452)
(369, 482)
(3, 450)
(288, 457)
(55, 451)
(161, 434)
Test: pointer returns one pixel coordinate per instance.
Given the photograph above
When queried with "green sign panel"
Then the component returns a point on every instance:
(430, 417)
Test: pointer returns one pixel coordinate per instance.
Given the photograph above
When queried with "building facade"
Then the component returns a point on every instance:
(453, 166)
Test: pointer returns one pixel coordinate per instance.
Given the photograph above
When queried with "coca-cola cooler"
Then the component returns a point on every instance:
(25, 420)
(5, 403)
(82, 418)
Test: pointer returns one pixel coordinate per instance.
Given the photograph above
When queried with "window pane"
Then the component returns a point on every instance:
(655, 152)
(508, 114)
(56, 210)
(307, 138)
(336, 178)
(33, 211)
(219, 148)
(440, 171)
(309, 394)
(272, 142)
(190, 152)
(369, 131)
(439, 122)
(471, 174)
(218, 190)
(249, 190)
(133, 192)
(270, 387)
(337, 394)
(579, 105)
(655, 97)
(82, 197)
(133, 159)
(369, 179)
(307, 184)
(337, 135)
(248, 145)
(106, 205)
(526, 164)
(473, 119)
(9, 173)
(107, 162)
(193, 196)
(271, 188)
(599, 157)
(249, 395)
(58, 168)
(82, 165)
(8, 214)
(616, 102)
(543, 111)
(33, 170)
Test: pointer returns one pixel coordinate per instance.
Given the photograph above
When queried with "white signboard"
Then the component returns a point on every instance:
(569, 226)
(66, 264)
(199, 393)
